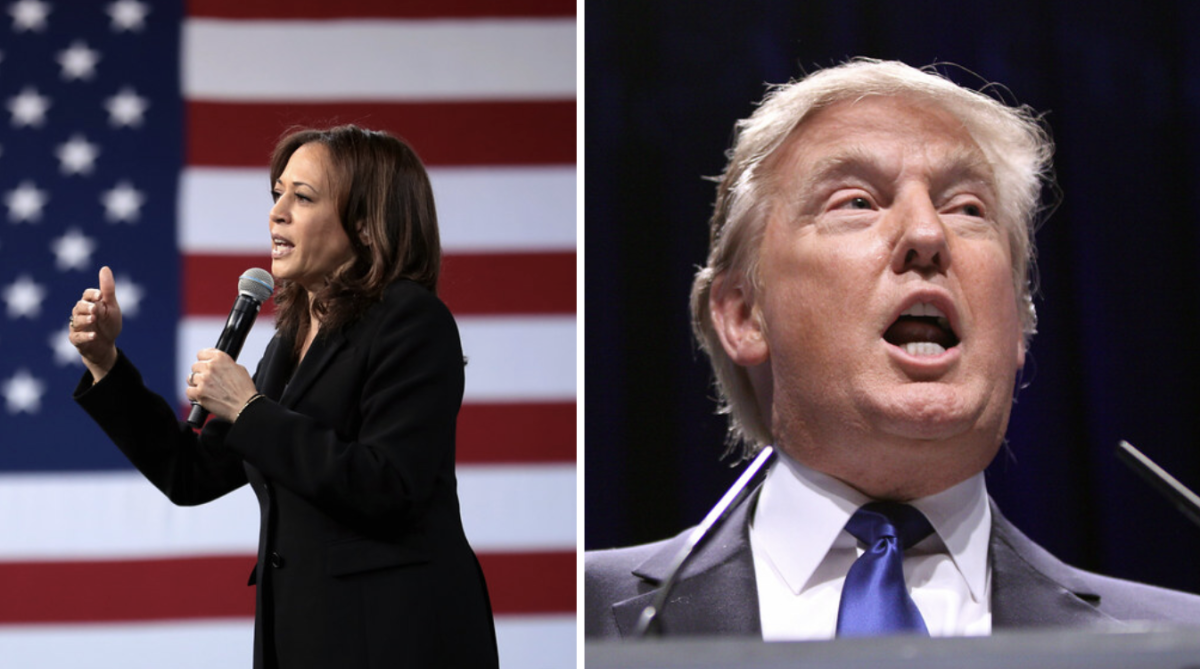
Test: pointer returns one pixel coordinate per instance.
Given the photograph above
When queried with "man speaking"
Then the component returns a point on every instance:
(866, 307)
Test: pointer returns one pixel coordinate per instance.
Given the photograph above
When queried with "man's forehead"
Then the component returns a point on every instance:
(862, 134)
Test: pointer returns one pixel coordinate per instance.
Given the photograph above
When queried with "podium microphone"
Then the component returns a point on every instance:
(1184, 499)
(648, 623)
(254, 287)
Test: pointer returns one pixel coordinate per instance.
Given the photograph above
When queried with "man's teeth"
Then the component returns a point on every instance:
(923, 309)
(927, 310)
(920, 348)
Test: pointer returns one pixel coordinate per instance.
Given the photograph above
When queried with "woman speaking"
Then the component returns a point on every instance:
(345, 432)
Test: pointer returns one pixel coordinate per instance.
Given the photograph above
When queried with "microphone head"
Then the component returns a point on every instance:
(256, 283)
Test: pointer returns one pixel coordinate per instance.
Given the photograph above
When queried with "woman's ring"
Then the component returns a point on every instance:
(191, 379)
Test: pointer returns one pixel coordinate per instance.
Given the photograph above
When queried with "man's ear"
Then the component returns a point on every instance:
(737, 321)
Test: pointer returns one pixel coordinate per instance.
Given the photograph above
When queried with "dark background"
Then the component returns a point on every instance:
(1116, 353)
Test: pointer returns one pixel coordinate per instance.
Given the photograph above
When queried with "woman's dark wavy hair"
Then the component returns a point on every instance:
(382, 191)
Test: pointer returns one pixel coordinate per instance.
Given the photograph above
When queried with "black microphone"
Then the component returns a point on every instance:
(254, 287)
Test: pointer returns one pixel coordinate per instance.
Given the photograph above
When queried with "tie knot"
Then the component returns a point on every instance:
(878, 520)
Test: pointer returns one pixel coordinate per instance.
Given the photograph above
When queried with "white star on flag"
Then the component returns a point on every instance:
(126, 108)
(24, 297)
(65, 352)
(129, 295)
(25, 202)
(77, 156)
(73, 250)
(29, 15)
(28, 108)
(23, 392)
(78, 62)
(122, 203)
(128, 15)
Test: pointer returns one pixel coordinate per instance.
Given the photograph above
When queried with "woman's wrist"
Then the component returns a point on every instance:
(100, 369)
(253, 398)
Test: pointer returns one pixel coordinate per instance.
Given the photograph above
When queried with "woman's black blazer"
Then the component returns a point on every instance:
(362, 560)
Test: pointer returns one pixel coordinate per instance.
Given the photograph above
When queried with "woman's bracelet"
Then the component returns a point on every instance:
(256, 396)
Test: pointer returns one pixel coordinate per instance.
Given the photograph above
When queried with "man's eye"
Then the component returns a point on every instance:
(858, 203)
(973, 210)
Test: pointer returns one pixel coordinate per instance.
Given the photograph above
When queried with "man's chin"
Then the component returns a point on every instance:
(932, 412)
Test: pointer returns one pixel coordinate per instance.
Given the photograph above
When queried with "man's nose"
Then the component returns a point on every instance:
(920, 244)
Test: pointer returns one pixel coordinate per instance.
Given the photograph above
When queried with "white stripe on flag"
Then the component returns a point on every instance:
(379, 60)
(515, 358)
(117, 515)
(518, 507)
(224, 210)
(179, 645)
(536, 642)
(525, 642)
(504, 509)
(511, 358)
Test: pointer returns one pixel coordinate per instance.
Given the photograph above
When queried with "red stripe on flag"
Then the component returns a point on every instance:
(530, 582)
(323, 9)
(210, 281)
(508, 283)
(209, 587)
(222, 134)
(516, 433)
(471, 284)
(215, 587)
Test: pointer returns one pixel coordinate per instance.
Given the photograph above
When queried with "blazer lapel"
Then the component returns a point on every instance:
(276, 367)
(716, 593)
(320, 354)
(1032, 588)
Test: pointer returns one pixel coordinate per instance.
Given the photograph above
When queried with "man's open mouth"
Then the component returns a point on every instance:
(922, 330)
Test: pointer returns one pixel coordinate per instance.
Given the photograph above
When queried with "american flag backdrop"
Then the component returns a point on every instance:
(135, 134)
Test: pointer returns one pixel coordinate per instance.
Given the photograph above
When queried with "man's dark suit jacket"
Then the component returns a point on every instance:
(717, 594)
(362, 560)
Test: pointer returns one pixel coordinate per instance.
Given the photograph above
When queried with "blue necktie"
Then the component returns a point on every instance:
(875, 600)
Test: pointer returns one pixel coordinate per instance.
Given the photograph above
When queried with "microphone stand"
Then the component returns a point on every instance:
(648, 623)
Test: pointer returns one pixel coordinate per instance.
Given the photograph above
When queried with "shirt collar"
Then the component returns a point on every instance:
(802, 512)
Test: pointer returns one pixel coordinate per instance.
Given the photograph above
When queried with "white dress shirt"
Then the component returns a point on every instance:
(802, 553)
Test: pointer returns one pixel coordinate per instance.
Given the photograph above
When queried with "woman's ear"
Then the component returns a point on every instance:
(363, 235)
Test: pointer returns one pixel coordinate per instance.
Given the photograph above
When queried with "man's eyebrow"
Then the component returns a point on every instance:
(963, 165)
(851, 160)
(967, 165)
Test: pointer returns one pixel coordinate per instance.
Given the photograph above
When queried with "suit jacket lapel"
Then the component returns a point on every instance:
(716, 593)
(276, 367)
(1032, 588)
(320, 354)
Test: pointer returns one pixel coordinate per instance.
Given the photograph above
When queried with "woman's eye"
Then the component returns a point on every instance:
(275, 195)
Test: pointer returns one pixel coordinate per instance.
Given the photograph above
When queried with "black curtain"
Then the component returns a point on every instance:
(1119, 305)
